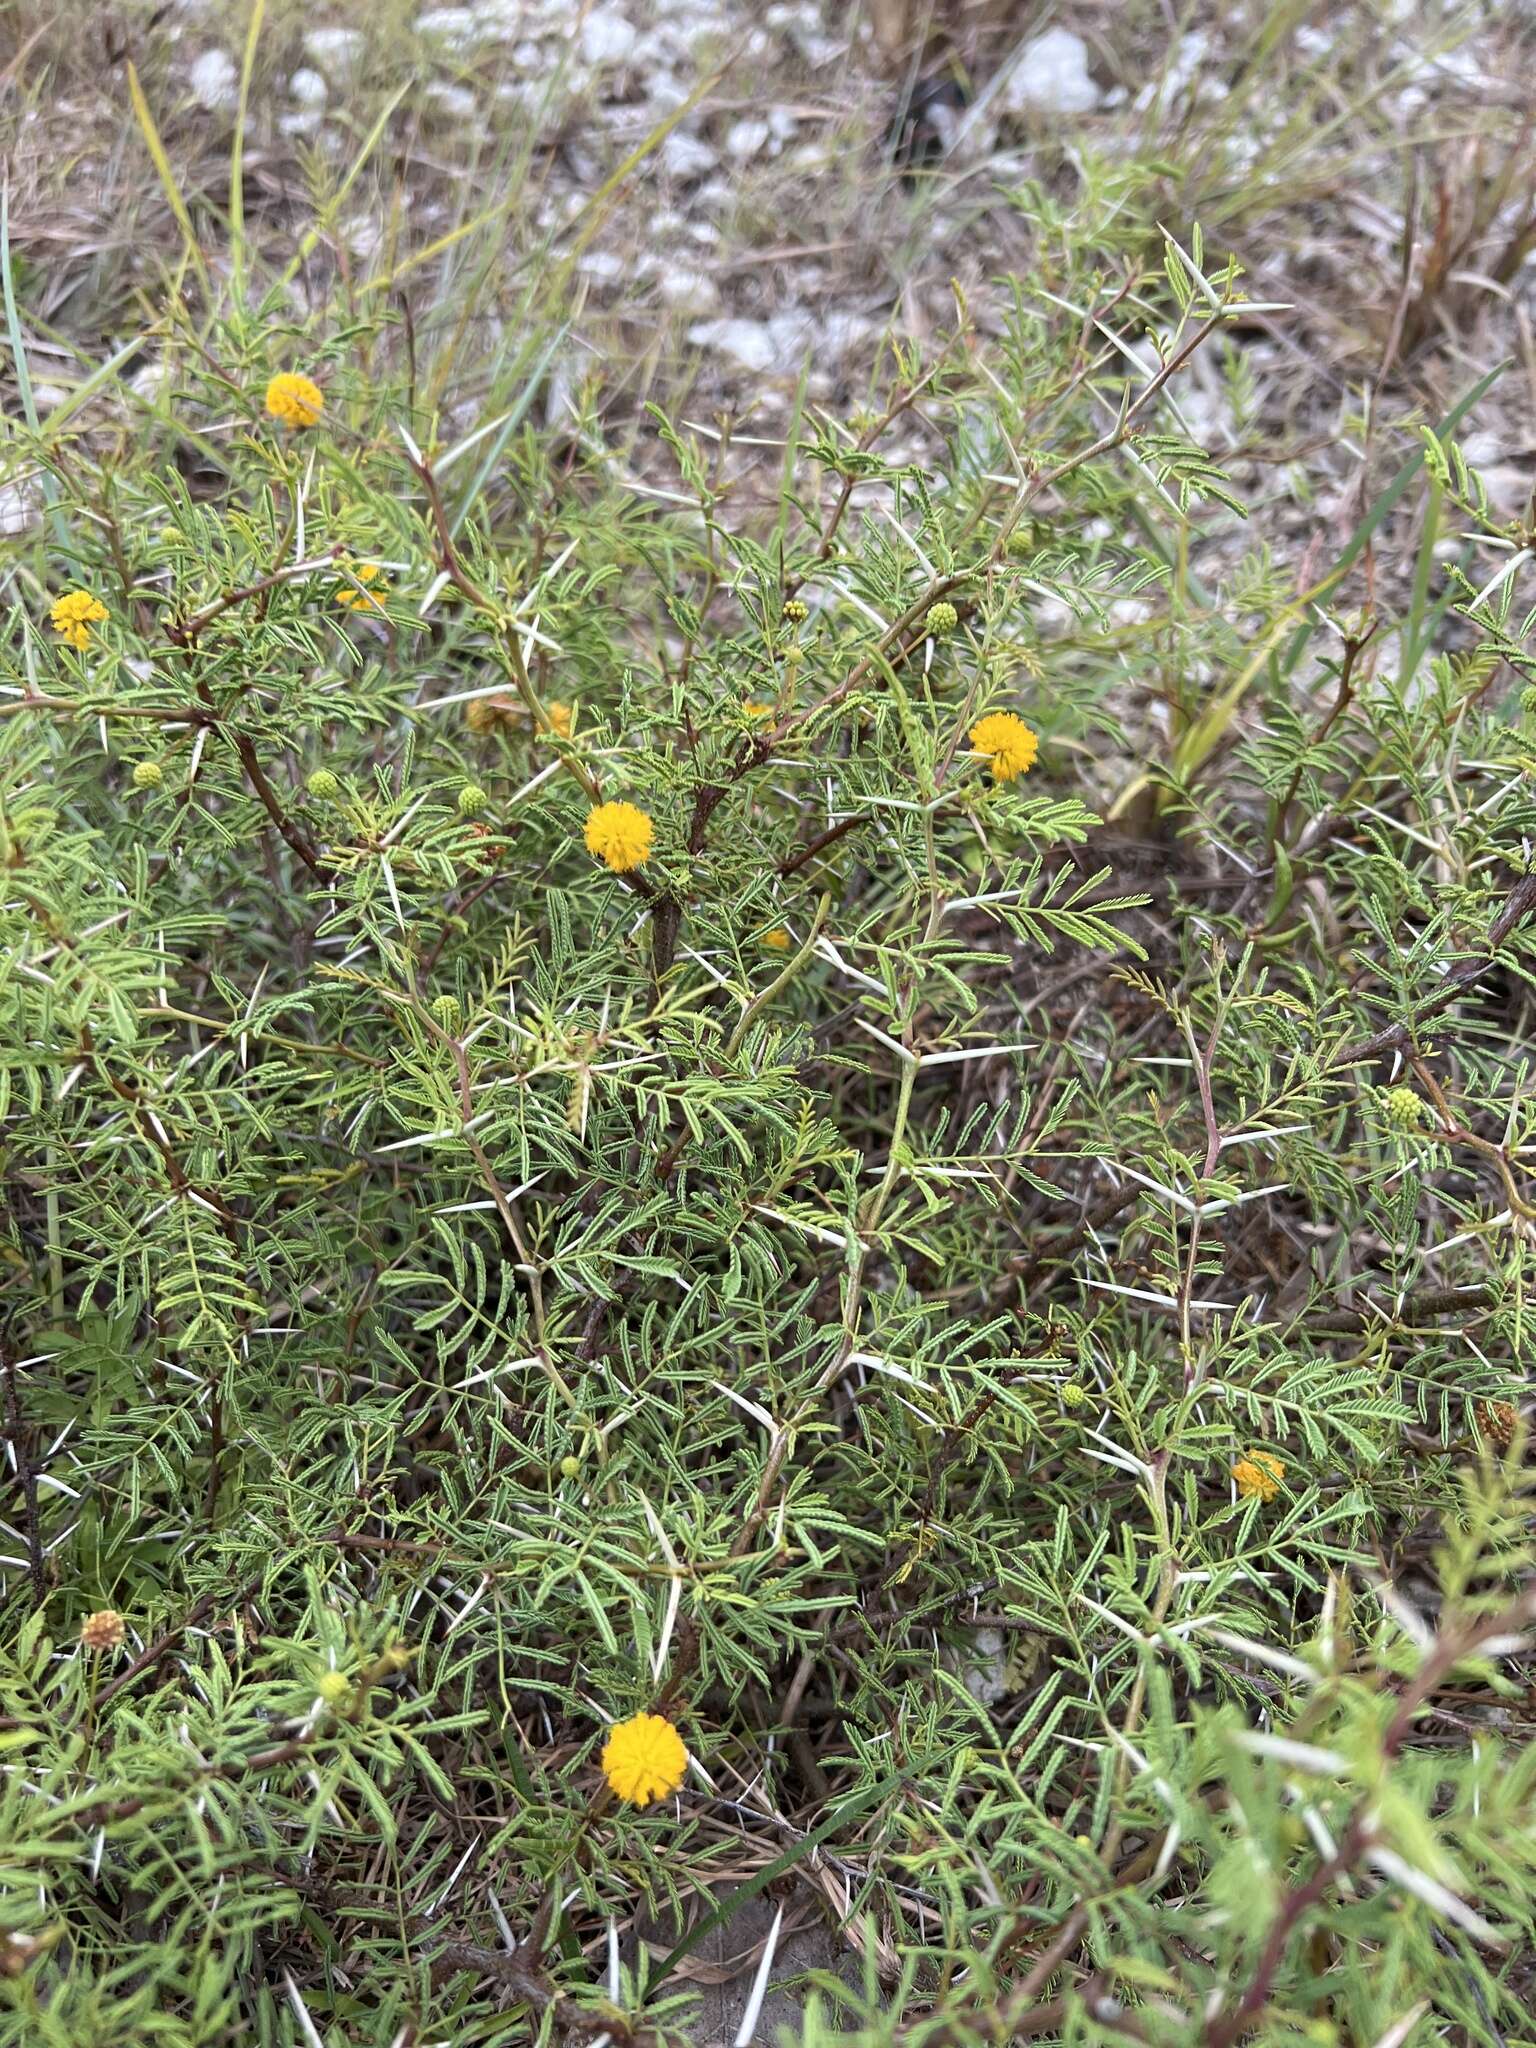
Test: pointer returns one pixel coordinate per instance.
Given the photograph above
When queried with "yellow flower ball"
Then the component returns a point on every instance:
(559, 717)
(295, 400)
(777, 940)
(1008, 742)
(644, 1759)
(756, 710)
(620, 835)
(73, 615)
(1259, 1475)
(356, 600)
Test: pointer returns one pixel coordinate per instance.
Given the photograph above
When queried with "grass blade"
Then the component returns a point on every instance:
(167, 177)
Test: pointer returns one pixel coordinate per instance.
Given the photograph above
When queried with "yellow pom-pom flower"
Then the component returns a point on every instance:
(754, 709)
(295, 400)
(777, 940)
(620, 835)
(644, 1759)
(73, 616)
(559, 717)
(1007, 742)
(367, 599)
(1259, 1475)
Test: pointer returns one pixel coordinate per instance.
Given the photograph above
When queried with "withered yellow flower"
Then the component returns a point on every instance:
(102, 1630)
(492, 714)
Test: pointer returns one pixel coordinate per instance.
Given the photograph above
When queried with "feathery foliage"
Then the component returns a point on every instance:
(999, 1324)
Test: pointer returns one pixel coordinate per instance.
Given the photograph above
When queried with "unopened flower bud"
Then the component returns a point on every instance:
(1405, 1109)
(335, 1688)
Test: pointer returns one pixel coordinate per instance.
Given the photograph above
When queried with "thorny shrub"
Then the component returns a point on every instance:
(597, 1132)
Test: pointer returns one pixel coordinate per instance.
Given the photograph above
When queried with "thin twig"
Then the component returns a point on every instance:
(26, 1479)
(1519, 907)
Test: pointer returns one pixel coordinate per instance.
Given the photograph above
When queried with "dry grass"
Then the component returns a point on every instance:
(1368, 166)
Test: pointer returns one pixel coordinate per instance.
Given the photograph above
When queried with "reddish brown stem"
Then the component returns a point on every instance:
(819, 845)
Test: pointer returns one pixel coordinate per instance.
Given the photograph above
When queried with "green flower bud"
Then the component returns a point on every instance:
(795, 612)
(471, 799)
(1528, 701)
(446, 1010)
(323, 785)
(570, 1468)
(335, 1688)
(148, 775)
(1073, 1394)
(942, 618)
(1404, 1109)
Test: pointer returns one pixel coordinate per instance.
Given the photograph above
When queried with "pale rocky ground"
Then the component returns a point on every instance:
(769, 235)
